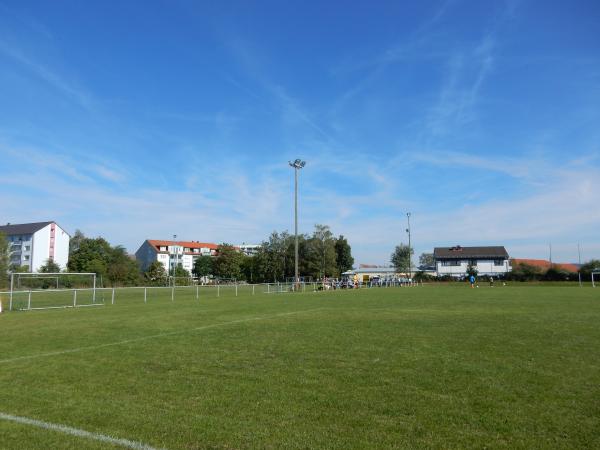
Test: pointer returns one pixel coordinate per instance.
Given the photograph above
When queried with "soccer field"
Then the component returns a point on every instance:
(429, 366)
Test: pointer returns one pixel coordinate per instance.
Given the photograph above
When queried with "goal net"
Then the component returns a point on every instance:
(36, 290)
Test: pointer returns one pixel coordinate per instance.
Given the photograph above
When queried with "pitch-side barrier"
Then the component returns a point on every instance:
(39, 299)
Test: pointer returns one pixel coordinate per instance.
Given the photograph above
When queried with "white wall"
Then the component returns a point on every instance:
(61, 247)
(163, 258)
(40, 248)
(483, 266)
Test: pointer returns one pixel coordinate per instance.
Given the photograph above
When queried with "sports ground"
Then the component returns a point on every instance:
(423, 367)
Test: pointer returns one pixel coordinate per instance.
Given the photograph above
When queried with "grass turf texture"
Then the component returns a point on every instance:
(432, 366)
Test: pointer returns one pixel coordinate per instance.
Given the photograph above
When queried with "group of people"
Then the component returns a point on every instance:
(473, 280)
(332, 283)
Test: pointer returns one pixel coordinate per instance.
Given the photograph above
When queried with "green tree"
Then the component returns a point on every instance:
(113, 264)
(471, 270)
(92, 255)
(321, 253)
(227, 263)
(75, 241)
(156, 273)
(343, 255)
(589, 267)
(49, 267)
(3, 260)
(180, 272)
(249, 268)
(524, 272)
(427, 259)
(401, 258)
(121, 268)
(554, 274)
(203, 266)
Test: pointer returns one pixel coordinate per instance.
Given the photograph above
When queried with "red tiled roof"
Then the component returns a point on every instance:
(545, 265)
(186, 244)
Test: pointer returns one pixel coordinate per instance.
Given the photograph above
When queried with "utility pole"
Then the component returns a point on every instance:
(409, 251)
(297, 165)
(176, 257)
(579, 271)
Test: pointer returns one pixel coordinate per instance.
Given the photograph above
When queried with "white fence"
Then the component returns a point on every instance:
(32, 299)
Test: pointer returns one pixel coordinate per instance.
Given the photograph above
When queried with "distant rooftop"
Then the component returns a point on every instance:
(186, 244)
(545, 265)
(23, 228)
(458, 252)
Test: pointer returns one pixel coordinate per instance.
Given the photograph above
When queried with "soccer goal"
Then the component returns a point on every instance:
(36, 290)
(597, 275)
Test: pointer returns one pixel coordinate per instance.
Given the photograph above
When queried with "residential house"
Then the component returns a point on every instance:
(455, 261)
(31, 245)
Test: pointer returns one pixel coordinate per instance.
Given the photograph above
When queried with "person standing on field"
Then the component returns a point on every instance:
(472, 281)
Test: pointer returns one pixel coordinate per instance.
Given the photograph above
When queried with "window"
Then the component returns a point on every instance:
(450, 262)
(498, 262)
(26, 257)
(27, 248)
(473, 262)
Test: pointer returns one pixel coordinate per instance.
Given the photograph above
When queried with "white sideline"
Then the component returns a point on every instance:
(76, 432)
(144, 338)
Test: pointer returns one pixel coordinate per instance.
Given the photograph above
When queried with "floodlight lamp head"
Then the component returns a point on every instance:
(297, 164)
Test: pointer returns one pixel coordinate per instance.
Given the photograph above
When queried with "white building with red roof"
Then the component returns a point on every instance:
(171, 253)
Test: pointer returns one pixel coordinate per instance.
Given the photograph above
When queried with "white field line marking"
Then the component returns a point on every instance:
(76, 432)
(153, 336)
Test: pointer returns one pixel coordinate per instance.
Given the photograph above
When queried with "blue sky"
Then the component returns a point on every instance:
(136, 120)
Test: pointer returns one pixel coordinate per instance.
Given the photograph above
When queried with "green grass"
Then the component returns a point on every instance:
(425, 367)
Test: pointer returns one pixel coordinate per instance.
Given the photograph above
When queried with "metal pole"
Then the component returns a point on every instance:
(74, 298)
(579, 271)
(145, 294)
(409, 254)
(252, 289)
(12, 281)
(218, 290)
(172, 293)
(94, 294)
(197, 296)
(29, 300)
(297, 165)
(296, 224)
(236, 289)
(112, 298)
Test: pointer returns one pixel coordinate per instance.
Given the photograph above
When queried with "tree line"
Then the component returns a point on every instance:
(321, 254)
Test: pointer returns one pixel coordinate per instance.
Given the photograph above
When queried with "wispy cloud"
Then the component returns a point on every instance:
(60, 83)
(459, 94)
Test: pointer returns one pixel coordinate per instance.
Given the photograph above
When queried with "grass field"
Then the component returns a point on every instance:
(422, 367)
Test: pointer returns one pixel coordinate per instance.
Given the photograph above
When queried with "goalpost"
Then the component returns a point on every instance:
(64, 284)
(594, 272)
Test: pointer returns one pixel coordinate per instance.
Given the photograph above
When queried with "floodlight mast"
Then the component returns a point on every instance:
(297, 165)
(579, 269)
(176, 258)
(409, 255)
